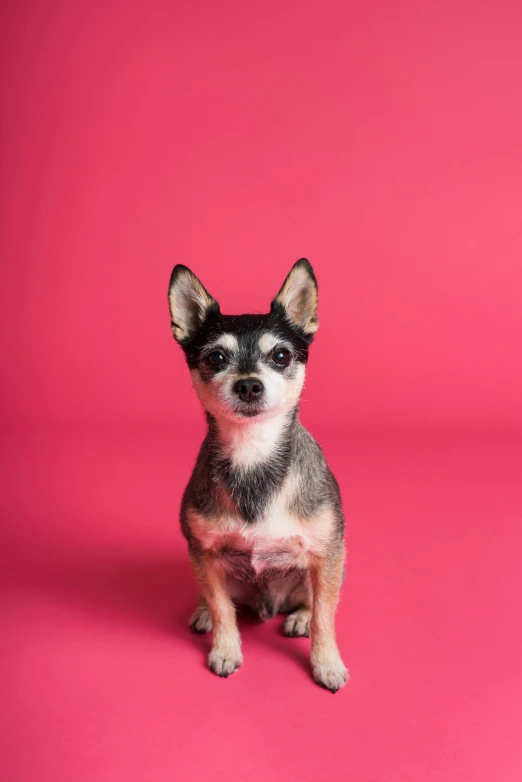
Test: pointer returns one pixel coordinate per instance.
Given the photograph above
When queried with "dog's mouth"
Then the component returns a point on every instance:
(255, 407)
(250, 411)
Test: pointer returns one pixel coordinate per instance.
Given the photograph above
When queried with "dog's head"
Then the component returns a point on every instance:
(245, 366)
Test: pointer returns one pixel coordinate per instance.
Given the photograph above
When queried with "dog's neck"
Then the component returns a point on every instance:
(250, 443)
(250, 461)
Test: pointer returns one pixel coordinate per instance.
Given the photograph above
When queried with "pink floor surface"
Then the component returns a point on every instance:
(104, 681)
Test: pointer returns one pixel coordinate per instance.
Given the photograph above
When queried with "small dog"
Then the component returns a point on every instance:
(262, 512)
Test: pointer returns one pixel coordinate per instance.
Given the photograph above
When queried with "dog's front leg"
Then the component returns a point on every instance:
(225, 656)
(327, 576)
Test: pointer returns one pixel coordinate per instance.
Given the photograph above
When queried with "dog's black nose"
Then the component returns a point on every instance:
(249, 389)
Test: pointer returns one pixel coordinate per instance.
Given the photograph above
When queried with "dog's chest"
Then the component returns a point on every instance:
(278, 542)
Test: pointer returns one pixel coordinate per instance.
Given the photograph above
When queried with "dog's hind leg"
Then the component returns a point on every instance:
(298, 605)
(201, 621)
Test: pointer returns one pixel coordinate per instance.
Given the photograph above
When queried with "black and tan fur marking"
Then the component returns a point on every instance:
(262, 512)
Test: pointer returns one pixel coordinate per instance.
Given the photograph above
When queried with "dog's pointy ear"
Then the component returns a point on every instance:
(189, 302)
(298, 298)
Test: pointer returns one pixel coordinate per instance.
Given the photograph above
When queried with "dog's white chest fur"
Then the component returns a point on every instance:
(278, 541)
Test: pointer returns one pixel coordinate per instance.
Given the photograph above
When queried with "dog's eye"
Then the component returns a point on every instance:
(281, 357)
(216, 359)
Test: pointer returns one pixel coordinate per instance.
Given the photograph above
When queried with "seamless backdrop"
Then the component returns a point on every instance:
(382, 141)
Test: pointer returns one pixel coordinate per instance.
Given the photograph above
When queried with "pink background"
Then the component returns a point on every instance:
(381, 140)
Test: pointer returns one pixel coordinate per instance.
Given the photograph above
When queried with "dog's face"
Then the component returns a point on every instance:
(245, 366)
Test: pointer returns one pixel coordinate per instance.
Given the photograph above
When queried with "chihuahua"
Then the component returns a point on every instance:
(262, 512)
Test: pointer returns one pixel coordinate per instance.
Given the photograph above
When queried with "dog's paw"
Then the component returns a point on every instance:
(298, 623)
(330, 673)
(225, 660)
(200, 621)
